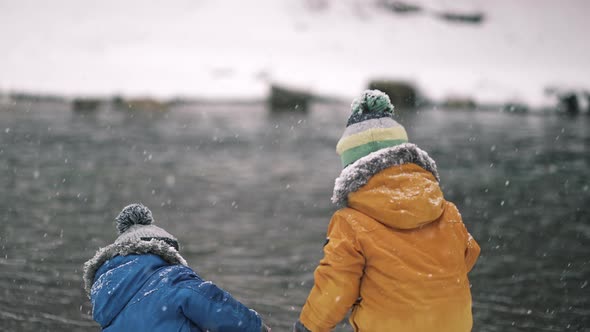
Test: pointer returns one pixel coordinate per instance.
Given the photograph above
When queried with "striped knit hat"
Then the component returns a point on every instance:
(370, 128)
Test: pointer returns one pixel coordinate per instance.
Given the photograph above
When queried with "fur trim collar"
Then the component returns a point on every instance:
(357, 174)
(156, 247)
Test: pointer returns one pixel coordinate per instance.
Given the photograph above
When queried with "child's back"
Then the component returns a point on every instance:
(397, 252)
(141, 283)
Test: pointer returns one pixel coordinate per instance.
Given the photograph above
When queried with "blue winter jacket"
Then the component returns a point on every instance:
(144, 292)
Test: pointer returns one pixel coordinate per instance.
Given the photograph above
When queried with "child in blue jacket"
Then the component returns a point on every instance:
(141, 283)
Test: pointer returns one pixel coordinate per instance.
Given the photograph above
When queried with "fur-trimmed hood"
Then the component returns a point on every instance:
(156, 247)
(357, 174)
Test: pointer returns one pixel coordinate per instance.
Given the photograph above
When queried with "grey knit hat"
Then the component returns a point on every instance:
(134, 224)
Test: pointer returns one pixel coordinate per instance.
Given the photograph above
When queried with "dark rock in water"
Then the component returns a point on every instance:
(571, 101)
(400, 7)
(586, 95)
(403, 95)
(143, 104)
(515, 108)
(286, 99)
(568, 103)
(32, 97)
(471, 18)
(117, 102)
(85, 104)
(456, 102)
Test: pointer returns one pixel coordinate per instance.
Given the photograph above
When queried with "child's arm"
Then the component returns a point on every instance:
(215, 310)
(472, 249)
(337, 278)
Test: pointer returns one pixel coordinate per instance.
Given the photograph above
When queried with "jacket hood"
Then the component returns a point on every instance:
(397, 186)
(117, 272)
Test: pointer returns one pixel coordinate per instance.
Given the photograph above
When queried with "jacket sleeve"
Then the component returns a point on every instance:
(336, 279)
(472, 249)
(215, 310)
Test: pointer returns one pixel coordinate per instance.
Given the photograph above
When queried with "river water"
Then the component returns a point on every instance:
(248, 196)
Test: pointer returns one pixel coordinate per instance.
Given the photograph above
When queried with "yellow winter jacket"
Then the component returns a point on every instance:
(398, 256)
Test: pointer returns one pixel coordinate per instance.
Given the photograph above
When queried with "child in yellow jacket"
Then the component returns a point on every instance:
(398, 253)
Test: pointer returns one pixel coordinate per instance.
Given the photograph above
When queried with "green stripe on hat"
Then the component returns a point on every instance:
(372, 134)
(350, 156)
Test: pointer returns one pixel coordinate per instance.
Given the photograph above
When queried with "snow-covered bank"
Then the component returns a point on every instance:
(234, 48)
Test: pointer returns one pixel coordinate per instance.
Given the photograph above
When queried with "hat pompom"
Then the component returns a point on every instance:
(372, 101)
(133, 214)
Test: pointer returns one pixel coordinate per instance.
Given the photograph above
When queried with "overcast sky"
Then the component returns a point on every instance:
(232, 48)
